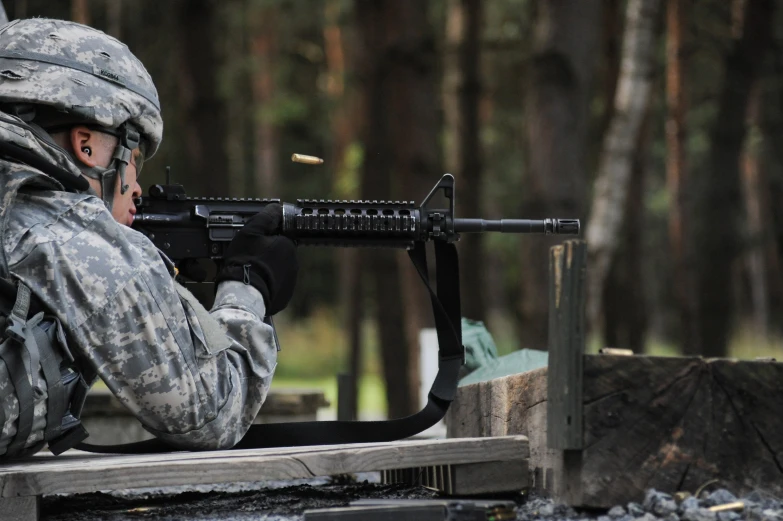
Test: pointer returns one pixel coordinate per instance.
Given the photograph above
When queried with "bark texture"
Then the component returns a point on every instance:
(399, 131)
(611, 186)
(719, 212)
(204, 112)
(80, 11)
(264, 49)
(461, 94)
(566, 40)
(681, 240)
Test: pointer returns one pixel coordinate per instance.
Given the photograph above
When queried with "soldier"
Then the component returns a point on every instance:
(76, 105)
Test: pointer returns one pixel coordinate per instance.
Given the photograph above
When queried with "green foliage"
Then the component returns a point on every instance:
(348, 179)
(316, 346)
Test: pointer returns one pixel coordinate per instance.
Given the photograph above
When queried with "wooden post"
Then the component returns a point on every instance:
(346, 397)
(567, 266)
(25, 508)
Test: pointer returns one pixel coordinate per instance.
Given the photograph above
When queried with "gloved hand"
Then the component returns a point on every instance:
(259, 256)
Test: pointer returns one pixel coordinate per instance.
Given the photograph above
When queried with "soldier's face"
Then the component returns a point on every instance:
(123, 210)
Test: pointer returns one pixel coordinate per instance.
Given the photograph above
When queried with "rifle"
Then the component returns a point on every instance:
(187, 228)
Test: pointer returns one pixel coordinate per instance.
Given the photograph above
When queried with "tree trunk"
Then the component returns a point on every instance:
(611, 46)
(462, 91)
(409, 59)
(114, 18)
(719, 213)
(374, 71)
(238, 74)
(556, 100)
(611, 186)
(204, 110)
(762, 259)
(771, 166)
(624, 298)
(681, 240)
(755, 257)
(264, 49)
(80, 11)
(20, 9)
(344, 122)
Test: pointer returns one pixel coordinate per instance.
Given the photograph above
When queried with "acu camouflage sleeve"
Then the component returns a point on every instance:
(148, 341)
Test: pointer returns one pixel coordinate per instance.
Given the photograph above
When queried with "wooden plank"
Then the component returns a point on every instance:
(489, 477)
(74, 459)
(567, 266)
(20, 508)
(89, 474)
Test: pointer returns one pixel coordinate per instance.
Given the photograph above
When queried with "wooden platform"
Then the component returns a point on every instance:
(23, 482)
(646, 422)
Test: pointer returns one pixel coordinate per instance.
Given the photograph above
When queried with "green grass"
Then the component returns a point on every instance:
(372, 391)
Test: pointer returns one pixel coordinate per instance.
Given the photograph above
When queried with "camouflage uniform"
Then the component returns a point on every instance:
(193, 378)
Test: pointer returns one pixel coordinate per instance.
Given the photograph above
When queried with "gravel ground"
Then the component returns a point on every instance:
(286, 501)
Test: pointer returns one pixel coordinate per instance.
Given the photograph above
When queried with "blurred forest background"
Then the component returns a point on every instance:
(656, 122)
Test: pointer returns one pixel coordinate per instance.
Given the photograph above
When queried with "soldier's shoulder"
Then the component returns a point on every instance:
(41, 216)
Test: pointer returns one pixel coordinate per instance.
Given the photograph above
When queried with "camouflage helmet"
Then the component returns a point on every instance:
(58, 74)
(81, 72)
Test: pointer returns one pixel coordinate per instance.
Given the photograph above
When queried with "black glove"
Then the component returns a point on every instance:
(259, 256)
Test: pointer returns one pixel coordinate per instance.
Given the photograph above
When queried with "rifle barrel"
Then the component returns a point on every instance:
(547, 226)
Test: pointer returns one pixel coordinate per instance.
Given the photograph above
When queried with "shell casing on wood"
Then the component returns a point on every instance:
(615, 351)
(307, 160)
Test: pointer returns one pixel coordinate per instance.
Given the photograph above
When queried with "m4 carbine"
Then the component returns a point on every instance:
(201, 227)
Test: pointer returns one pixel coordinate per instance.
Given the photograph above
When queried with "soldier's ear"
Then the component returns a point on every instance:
(85, 146)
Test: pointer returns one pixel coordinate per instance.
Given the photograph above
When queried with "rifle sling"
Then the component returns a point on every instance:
(451, 354)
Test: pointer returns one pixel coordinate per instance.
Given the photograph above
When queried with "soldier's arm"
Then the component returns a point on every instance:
(194, 381)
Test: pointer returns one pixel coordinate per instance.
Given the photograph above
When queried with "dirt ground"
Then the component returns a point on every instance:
(284, 503)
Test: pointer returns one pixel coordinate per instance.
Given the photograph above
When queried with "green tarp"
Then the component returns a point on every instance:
(482, 362)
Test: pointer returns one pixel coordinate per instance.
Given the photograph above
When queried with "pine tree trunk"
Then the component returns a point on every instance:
(204, 110)
(236, 42)
(80, 11)
(20, 9)
(462, 91)
(264, 49)
(769, 126)
(677, 181)
(719, 212)
(373, 72)
(611, 186)
(565, 46)
(409, 58)
(755, 256)
(114, 18)
(625, 305)
(344, 122)
(762, 258)
(611, 46)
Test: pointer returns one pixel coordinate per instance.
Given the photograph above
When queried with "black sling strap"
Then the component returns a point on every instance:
(451, 355)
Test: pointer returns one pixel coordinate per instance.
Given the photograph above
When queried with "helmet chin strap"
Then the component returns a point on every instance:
(128, 140)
